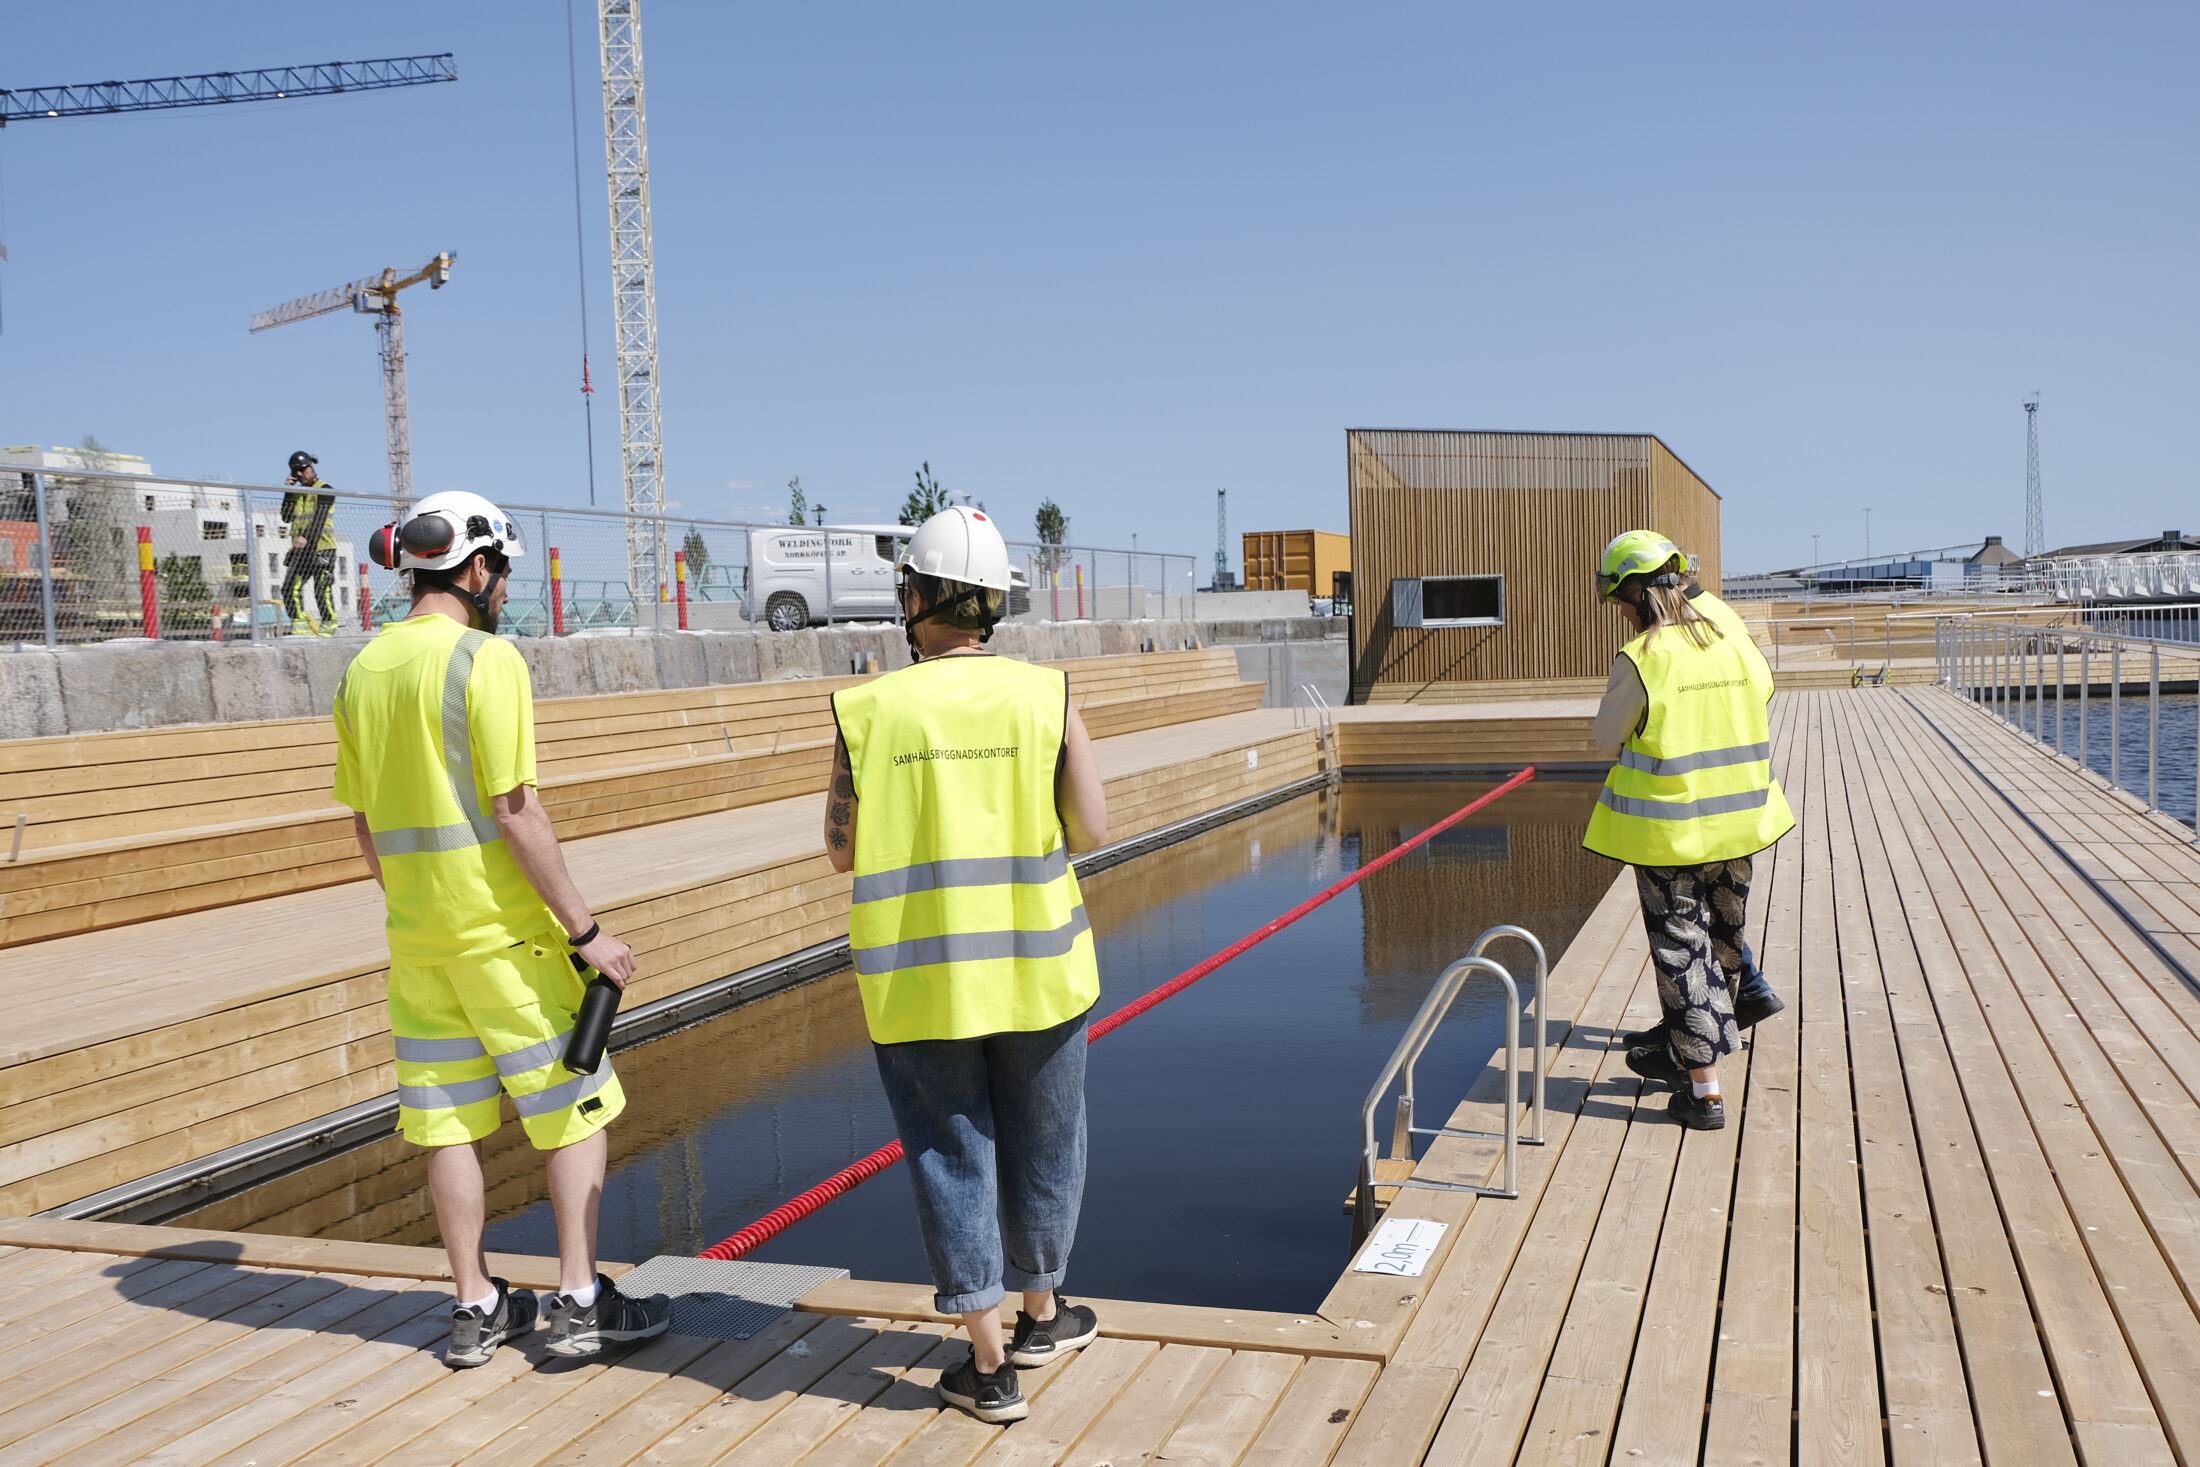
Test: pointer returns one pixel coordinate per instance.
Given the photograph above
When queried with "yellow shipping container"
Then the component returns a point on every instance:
(1295, 560)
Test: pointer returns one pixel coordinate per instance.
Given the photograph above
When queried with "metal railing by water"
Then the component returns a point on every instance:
(1401, 1065)
(2028, 674)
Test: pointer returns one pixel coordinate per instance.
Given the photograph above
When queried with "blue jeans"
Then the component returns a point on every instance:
(994, 1129)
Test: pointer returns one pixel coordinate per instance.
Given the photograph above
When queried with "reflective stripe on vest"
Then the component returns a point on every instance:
(966, 918)
(1694, 784)
(478, 829)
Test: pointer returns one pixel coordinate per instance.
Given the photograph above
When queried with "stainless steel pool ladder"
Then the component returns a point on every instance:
(1325, 725)
(1408, 1054)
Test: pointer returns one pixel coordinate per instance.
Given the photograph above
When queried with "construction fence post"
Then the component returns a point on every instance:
(680, 584)
(148, 584)
(251, 564)
(45, 559)
(366, 599)
(557, 594)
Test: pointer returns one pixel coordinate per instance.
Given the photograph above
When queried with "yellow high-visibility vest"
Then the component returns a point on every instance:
(1695, 783)
(966, 918)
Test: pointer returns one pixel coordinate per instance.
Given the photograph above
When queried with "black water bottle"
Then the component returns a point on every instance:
(592, 1029)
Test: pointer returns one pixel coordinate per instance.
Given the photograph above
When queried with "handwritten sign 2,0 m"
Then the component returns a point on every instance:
(1401, 1247)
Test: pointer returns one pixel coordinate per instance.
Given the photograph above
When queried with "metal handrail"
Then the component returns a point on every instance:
(2003, 667)
(1407, 1055)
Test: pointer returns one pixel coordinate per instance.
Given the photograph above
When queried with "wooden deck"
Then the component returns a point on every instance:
(1954, 1217)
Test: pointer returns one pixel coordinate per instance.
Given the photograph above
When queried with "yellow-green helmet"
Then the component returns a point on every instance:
(1637, 553)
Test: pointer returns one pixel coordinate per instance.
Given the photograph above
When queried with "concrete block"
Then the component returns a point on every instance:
(30, 696)
(730, 657)
(248, 682)
(621, 664)
(322, 662)
(557, 667)
(783, 655)
(681, 662)
(137, 687)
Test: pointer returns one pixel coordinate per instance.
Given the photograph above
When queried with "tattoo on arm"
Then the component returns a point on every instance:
(839, 838)
(844, 783)
(838, 812)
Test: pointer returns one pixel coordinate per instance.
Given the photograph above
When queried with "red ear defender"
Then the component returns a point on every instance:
(382, 547)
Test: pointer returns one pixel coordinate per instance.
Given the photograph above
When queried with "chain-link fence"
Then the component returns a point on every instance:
(88, 557)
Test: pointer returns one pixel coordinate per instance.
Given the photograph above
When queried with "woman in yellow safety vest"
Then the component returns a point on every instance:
(1689, 802)
(975, 783)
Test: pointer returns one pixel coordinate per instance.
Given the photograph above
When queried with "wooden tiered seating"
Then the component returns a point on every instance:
(142, 1047)
(125, 827)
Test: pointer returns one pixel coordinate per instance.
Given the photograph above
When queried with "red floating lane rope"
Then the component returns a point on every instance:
(794, 1209)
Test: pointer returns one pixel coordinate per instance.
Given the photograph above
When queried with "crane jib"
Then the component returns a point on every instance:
(272, 84)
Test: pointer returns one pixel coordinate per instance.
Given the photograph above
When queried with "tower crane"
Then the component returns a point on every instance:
(376, 296)
(634, 293)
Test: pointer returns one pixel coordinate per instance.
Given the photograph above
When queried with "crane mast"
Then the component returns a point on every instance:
(376, 296)
(634, 294)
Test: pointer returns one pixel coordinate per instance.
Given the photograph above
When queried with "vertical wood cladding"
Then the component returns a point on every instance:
(1535, 508)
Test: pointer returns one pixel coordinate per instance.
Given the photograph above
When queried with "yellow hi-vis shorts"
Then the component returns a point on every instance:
(472, 1031)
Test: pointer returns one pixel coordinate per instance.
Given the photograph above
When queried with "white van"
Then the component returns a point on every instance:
(784, 585)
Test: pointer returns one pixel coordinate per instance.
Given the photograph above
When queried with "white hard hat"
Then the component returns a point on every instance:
(960, 544)
(444, 529)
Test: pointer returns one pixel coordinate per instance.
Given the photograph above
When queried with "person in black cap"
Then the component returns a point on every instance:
(310, 520)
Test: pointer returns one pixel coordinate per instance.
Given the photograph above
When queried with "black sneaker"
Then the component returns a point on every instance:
(1652, 1062)
(475, 1335)
(1036, 1342)
(613, 1319)
(1748, 1014)
(1706, 1113)
(995, 1398)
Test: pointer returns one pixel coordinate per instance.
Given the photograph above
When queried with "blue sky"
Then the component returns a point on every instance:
(1126, 254)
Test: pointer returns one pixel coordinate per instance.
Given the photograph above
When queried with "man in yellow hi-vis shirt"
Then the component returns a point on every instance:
(435, 739)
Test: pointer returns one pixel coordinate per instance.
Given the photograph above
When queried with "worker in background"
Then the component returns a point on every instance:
(309, 520)
(1689, 802)
(975, 782)
(435, 752)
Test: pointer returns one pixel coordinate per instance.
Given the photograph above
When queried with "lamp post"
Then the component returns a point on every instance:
(827, 533)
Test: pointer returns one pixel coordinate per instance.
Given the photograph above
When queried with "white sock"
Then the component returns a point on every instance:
(481, 1306)
(1701, 1089)
(584, 1296)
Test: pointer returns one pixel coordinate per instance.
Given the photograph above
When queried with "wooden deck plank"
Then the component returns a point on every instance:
(2007, 1367)
(1105, 1368)
(675, 1404)
(1837, 1406)
(1929, 1420)
(545, 1435)
(1131, 1431)
(837, 1398)
(952, 1439)
(1222, 1423)
(67, 1414)
(2096, 1375)
(1313, 1414)
(248, 1369)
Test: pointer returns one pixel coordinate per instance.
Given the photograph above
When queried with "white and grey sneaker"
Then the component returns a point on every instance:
(613, 1319)
(475, 1335)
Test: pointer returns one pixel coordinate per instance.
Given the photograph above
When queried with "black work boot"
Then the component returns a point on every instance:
(1698, 1113)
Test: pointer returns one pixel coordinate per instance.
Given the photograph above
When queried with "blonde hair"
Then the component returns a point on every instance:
(1669, 606)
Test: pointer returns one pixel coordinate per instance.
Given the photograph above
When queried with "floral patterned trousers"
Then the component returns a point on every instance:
(1694, 917)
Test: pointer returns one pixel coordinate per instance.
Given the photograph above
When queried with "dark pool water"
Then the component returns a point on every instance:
(1222, 1123)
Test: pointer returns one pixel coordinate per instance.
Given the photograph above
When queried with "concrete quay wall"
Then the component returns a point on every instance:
(136, 684)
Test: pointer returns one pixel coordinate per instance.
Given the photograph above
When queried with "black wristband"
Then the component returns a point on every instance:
(595, 930)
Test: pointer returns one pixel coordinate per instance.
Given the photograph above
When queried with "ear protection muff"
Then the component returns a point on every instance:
(424, 536)
(382, 547)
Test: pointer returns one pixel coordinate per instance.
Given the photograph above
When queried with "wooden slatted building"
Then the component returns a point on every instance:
(1474, 552)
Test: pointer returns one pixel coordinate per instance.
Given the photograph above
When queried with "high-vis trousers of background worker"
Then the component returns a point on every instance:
(472, 1030)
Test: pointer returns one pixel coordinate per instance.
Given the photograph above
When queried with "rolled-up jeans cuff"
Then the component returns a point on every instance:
(1032, 1283)
(970, 1303)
